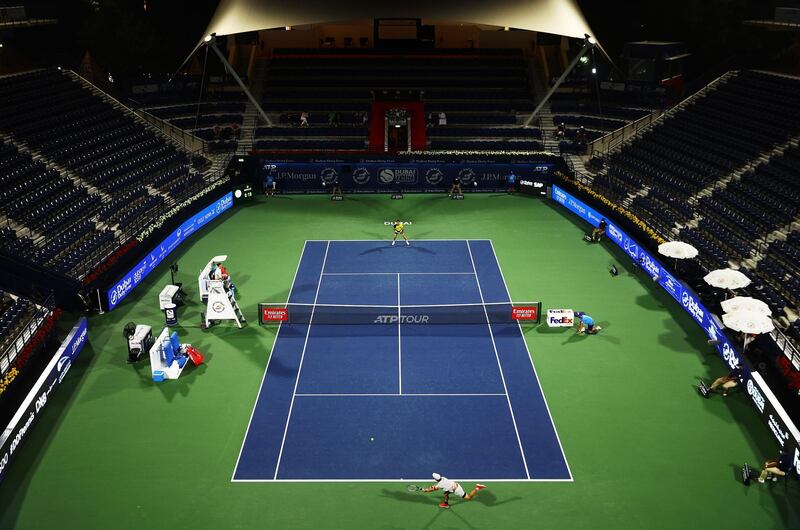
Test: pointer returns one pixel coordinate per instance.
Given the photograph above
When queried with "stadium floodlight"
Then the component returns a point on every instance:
(594, 70)
(589, 39)
(584, 60)
(209, 38)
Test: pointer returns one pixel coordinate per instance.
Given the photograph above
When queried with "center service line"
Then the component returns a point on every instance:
(399, 343)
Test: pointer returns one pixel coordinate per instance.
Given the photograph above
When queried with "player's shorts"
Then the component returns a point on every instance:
(460, 491)
(590, 327)
(398, 232)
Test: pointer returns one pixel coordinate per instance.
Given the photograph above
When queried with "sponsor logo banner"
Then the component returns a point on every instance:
(560, 318)
(19, 427)
(525, 313)
(778, 422)
(366, 175)
(671, 284)
(142, 269)
(274, 314)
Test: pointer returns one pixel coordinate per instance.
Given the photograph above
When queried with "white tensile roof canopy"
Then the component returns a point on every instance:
(561, 17)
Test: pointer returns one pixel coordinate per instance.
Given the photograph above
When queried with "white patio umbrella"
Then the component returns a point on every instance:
(746, 303)
(677, 250)
(749, 323)
(727, 279)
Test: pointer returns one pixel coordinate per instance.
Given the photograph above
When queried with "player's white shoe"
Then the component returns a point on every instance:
(392, 243)
(408, 243)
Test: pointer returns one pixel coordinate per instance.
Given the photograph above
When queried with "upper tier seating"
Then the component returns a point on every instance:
(114, 175)
(687, 167)
(17, 315)
(480, 93)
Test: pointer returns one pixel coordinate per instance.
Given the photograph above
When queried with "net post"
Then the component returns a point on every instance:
(538, 312)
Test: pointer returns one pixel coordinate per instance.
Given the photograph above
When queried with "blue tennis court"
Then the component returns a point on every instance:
(362, 386)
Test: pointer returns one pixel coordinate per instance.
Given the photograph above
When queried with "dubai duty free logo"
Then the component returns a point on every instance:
(434, 176)
(755, 393)
(329, 175)
(467, 175)
(386, 175)
(614, 232)
(361, 176)
(692, 307)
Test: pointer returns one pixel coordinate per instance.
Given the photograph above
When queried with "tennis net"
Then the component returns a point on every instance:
(321, 314)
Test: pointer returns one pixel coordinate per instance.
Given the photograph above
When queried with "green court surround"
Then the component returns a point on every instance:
(114, 450)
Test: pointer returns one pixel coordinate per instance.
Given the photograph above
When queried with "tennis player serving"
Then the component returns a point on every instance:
(399, 230)
(450, 486)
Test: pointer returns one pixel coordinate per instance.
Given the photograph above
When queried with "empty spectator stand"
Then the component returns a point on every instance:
(721, 173)
(210, 116)
(20, 320)
(81, 175)
(484, 94)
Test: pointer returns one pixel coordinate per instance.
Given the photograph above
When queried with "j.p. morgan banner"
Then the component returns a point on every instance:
(767, 405)
(138, 273)
(20, 425)
(307, 177)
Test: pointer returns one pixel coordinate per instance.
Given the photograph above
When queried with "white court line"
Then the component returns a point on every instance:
(389, 241)
(391, 273)
(394, 306)
(264, 377)
(300, 367)
(533, 367)
(399, 343)
(395, 395)
(499, 365)
(400, 480)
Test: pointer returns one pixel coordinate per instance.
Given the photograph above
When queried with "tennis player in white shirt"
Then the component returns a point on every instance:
(450, 486)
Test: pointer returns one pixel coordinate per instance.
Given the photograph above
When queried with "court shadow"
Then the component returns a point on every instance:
(609, 338)
(574, 337)
(171, 388)
(242, 279)
(736, 469)
(278, 369)
(405, 496)
(547, 330)
(489, 499)
(648, 301)
(422, 250)
(373, 250)
(375, 235)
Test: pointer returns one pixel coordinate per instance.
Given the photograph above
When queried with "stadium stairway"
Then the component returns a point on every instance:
(252, 119)
(125, 110)
(550, 144)
(750, 165)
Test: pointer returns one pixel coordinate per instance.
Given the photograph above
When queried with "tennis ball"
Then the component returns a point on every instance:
(372, 439)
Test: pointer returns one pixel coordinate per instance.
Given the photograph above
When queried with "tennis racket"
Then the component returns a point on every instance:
(413, 488)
